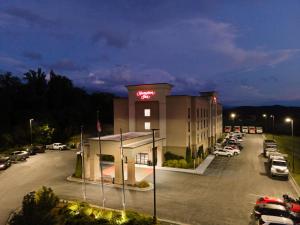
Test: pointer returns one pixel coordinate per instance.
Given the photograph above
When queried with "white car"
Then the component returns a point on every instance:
(56, 146)
(279, 167)
(223, 153)
(269, 220)
(234, 150)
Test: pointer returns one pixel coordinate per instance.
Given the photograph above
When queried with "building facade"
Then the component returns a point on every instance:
(183, 121)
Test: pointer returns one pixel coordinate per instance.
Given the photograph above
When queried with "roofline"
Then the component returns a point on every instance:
(134, 85)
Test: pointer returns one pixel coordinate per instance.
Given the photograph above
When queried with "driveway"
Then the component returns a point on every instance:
(224, 195)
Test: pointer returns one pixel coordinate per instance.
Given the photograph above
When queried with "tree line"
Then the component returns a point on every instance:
(57, 107)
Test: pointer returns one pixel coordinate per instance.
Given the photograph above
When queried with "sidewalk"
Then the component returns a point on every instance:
(199, 170)
(203, 166)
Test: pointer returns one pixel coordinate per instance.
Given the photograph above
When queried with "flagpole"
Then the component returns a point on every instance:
(82, 164)
(123, 180)
(100, 160)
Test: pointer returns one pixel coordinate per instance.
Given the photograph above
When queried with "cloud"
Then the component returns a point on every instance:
(223, 39)
(29, 16)
(6, 60)
(66, 65)
(112, 38)
(32, 55)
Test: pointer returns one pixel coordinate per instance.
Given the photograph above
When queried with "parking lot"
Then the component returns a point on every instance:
(224, 195)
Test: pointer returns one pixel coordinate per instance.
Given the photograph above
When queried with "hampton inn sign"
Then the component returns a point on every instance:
(147, 94)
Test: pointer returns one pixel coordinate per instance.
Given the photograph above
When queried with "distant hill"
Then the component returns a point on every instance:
(253, 115)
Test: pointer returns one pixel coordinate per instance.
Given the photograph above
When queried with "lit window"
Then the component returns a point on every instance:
(147, 112)
(147, 125)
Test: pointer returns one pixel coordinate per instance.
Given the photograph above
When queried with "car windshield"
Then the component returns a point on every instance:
(279, 163)
(3, 160)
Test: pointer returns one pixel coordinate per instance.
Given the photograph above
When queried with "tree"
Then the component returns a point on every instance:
(36, 208)
(188, 155)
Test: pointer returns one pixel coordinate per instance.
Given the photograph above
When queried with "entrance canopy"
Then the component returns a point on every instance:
(135, 144)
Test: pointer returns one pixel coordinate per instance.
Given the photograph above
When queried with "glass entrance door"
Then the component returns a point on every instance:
(141, 158)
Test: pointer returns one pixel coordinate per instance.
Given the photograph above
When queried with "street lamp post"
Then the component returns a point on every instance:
(289, 120)
(154, 161)
(30, 124)
(273, 124)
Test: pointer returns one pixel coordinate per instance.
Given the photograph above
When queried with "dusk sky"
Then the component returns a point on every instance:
(248, 51)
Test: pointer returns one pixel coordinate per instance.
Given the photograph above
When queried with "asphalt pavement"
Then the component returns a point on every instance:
(224, 195)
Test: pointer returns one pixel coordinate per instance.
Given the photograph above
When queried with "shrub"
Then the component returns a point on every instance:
(182, 163)
(142, 184)
(171, 156)
(37, 208)
(134, 218)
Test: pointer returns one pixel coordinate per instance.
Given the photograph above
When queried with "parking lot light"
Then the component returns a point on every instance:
(264, 115)
(290, 120)
(30, 124)
(233, 115)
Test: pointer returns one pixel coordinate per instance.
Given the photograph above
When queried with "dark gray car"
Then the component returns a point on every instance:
(18, 155)
(4, 163)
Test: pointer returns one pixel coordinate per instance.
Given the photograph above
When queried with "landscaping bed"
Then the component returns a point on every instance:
(43, 207)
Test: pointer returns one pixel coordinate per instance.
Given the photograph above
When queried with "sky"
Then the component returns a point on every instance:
(248, 51)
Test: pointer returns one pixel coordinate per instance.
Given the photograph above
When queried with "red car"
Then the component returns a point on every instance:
(265, 200)
(293, 207)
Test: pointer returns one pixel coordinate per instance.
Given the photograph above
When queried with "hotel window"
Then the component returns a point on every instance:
(189, 126)
(197, 138)
(147, 112)
(204, 123)
(147, 125)
(201, 124)
(198, 125)
(201, 112)
(189, 113)
(197, 113)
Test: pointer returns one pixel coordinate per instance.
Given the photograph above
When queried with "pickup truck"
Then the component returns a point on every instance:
(56, 146)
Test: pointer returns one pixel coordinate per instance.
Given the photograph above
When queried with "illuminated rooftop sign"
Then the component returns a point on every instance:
(145, 95)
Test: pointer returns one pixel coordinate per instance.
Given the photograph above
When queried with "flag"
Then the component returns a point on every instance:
(99, 129)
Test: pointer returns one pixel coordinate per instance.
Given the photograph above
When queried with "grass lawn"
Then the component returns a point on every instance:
(286, 144)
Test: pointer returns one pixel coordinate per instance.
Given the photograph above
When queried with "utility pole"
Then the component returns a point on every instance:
(82, 164)
(30, 124)
(99, 130)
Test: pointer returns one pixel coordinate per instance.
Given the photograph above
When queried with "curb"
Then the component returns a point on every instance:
(294, 184)
(119, 186)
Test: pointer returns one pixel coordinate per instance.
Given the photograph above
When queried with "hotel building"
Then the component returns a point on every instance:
(182, 121)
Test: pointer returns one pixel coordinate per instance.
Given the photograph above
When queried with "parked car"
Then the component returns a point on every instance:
(231, 149)
(223, 152)
(274, 220)
(269, 151)
(56, 146)
(279, 167)
(270, 144)
(270, 200)
(4, 163)
(270, 210)
(36, 149)
(18, 155)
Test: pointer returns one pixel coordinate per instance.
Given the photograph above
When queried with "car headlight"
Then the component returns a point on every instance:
(2, 165)
(273, 170)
